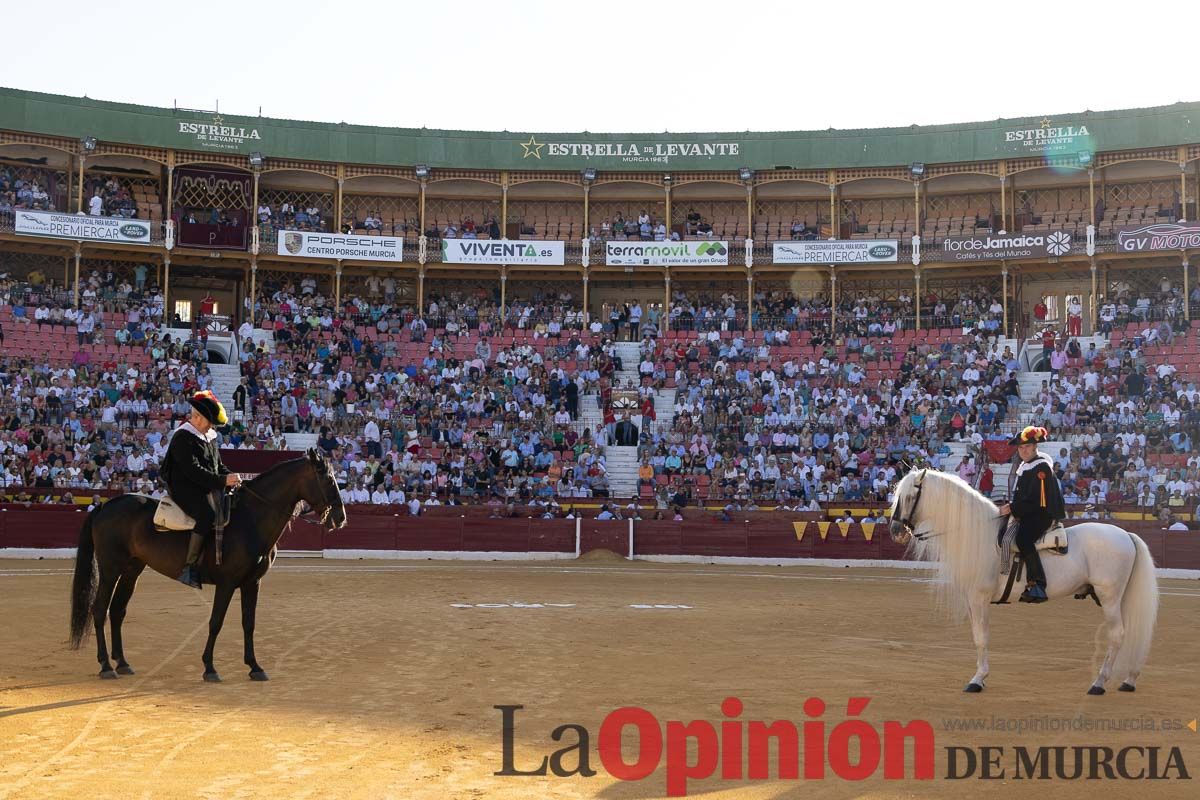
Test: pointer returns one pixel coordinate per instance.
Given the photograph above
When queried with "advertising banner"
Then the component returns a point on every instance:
(83, 227)
(1049, 138)
(854, 251)
(306, 244)
(666, 254)
(987, 247)
(502, 251)
(1159, 236)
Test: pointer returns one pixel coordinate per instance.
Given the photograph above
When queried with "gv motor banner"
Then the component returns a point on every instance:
(502, 251)
(81, 226)
(306, 244)
(854, 251)
(666, 254)
(990, 246)
(1159, 236)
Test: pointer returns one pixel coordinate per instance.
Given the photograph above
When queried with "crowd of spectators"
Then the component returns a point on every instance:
(25, 188)
(644, 227)
(463, 404)
(295, 216)
(108, 196)
(468, 228)
(99, 419)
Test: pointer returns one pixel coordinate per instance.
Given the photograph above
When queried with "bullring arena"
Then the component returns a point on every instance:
(385, 674)
(589, 443)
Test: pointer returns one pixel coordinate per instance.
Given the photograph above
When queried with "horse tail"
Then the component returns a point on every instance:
(1139, 610)
(83, 587)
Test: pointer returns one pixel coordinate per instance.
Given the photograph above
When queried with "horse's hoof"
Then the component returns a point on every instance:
(1126, 687)
(259, 675)
(125, 669)
(1096, 690)
(973, 688)
(212, 677)
(108, 674)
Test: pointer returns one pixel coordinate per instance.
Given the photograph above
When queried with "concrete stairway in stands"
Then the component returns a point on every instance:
(225, 378)
(300, 441)
(622, 465)
(621, 462)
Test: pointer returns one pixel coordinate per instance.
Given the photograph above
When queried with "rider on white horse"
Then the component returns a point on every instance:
(1037, 503)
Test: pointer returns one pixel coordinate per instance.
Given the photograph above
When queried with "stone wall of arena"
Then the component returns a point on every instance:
(53, 531)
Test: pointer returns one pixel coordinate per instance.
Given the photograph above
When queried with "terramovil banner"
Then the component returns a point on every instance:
(1019, 245)
(1160, 236)
(666, 254)
(344, 246)
(81, 226)
(502, 251)
(854, 251)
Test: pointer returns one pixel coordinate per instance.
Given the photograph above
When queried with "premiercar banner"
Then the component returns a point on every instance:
(853, 251)
(83, 227)
(502, 251)
(666, 254)
(347, 247)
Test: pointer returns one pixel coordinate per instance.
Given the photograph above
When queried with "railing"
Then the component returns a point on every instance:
(763, 251)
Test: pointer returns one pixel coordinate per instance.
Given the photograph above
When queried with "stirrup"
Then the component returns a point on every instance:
(190, 576)
(1034, 594)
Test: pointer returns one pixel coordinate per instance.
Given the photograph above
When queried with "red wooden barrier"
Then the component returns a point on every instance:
(757, 535)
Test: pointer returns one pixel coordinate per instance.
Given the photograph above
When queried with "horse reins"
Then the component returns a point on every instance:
(912, 512)
(323, 521)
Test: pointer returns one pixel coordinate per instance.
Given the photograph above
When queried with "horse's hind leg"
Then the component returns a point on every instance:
(116, 613)
(104, 593)
(1116, 636)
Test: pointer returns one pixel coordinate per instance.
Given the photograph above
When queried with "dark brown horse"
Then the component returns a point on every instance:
(119, 540)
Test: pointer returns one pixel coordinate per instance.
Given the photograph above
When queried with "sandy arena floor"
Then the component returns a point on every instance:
(382, 688)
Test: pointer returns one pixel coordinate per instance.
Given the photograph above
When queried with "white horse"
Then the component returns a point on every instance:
(945, 521)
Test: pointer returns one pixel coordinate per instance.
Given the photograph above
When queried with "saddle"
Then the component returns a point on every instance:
(170, 517)
(1054, 540)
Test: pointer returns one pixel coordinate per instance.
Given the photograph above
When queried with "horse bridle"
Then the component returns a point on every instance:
(324, 519)
(321, 475)
(906, 522)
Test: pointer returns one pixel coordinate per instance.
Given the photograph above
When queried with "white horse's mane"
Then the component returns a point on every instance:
(962, 526)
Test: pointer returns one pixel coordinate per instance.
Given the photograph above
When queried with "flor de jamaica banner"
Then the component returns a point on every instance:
(666, 254)
(502, 251)
(985, 247)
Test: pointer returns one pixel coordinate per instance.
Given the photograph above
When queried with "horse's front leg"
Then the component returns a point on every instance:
(249, 592)
(979, 608)
(220, 606)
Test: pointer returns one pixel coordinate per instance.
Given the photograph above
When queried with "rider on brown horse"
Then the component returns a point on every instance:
(195, 476)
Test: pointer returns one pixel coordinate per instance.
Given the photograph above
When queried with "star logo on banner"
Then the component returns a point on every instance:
(1046, 122)
(218, 120)
(532, 148)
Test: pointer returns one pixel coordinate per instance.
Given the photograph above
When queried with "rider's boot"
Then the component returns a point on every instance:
(191, 572)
